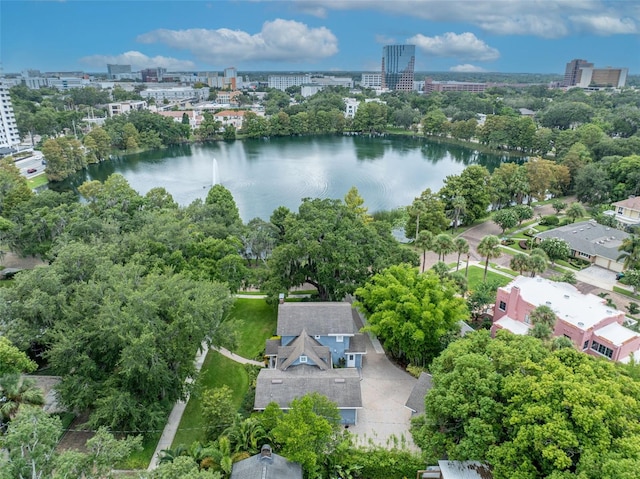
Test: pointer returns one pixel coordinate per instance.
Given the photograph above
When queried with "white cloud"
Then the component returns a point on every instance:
(467, 68)
(463, 46)
(279, 40)
(138, 61)
(543, 18)
(605, 25)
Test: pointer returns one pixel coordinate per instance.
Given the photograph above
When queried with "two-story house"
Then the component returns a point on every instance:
(318, 350)
(627, 212)
(593, 326)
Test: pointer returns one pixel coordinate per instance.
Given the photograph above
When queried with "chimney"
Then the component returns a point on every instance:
(265, 454)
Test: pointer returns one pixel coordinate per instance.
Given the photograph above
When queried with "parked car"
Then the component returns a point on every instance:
(32, 170)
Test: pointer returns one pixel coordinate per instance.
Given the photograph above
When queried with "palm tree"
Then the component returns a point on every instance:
(631, 252)
(520, 262)
(536, 263)
(574, 211)
(16, 390)
(417, 208)
(425, 238)
(443, 244)
(489, 247)
(461, 247)
(246, 435)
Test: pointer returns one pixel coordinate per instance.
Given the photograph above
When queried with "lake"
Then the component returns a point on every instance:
(389, 172)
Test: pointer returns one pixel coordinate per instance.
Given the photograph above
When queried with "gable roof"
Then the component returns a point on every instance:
(322, 319)
(589, 237)
(419, 391)
(277, 467)
(631, 203)
(341, 386)
(304, 345)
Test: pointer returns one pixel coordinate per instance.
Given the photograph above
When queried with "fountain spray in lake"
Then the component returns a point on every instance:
(215, 173)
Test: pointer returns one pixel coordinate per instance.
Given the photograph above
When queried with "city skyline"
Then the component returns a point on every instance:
(508, 36)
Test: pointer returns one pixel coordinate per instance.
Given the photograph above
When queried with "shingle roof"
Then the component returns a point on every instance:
(357, 344)
(419, 391)
(341, 386)
(589, 237)
(304, 345)
(271, 348)
(321, 319)
(631, 203)
(278, 468)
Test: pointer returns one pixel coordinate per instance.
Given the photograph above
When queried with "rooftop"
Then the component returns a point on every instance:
(570, 305)
(632, 203)
(589, 237)
(419, 391)
(516, 327)
(341, 386)
(321, 319)
(616, 334)
(464, 470)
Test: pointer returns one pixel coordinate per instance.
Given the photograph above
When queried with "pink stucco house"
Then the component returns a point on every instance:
(594, 327)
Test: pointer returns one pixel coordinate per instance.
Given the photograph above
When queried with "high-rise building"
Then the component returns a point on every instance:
(398, 62)
(9, 136)
(113, 70)
(572, 71)
(602, 77)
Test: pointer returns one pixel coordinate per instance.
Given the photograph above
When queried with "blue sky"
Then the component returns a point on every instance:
(538, 36)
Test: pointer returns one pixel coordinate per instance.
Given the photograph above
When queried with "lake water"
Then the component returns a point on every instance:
(264, 174)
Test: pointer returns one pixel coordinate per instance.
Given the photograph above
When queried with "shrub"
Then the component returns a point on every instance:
(524, 244)
(550, 220)
(507, 241)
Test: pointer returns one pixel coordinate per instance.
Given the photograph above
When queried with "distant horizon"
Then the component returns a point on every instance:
(458, 36)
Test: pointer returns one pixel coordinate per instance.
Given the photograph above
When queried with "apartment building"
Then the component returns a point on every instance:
(9, 136)
(118, 108)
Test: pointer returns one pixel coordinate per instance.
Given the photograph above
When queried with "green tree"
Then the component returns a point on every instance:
(546, 176)
(98, 143)
(12, 360)
(489, 247)
(326, 245)
(433, 122)
(308, 432)
(537, 262)
(443, 244)
(543, 320)
(425, 238)
(410, 312)
(355, 203)
(630, 252)
(558, 205)
(519, 262)
(218, 410)
(555, 248)
(461, 247)
(473, 185)
(505, 219)
(575, 211)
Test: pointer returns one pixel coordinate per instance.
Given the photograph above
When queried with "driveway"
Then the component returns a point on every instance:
(385, 389)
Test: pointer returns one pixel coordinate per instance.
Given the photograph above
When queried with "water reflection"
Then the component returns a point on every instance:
(264, 174)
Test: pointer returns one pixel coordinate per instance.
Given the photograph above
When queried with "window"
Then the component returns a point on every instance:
(317, 336)
(502, 306)
(339, 339)
(303, 359)
(620, 210)
(602, 349)
(526, 319)
(585, 345)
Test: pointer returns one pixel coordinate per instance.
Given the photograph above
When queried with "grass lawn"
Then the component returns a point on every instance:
(141, 459)
(255, 322)
(626, 292)
(37, 181)
(476, 274)
(216, 371)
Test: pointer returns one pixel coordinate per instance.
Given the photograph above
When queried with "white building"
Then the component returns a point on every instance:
(310, 90)
(175, 94)
(9, 136)
(231, 117)
(67, 83)
(351, 107)
(121, 107)
(195, 119)
(282, 82)
(371, 80)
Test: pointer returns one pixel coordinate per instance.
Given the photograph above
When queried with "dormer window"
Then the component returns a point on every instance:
(303, 359)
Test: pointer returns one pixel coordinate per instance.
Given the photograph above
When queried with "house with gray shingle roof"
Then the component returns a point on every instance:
(318, 350)
(591, 241)
(415, 403)
(266, 465)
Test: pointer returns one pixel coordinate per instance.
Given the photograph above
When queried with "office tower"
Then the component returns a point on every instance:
(9, 135)
(398, 62)
(572, 71)
(113, 70)
(602, 77)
